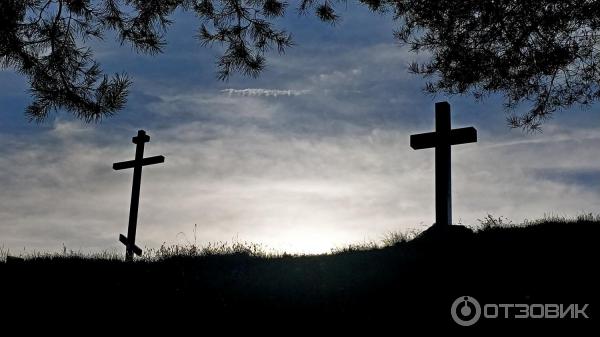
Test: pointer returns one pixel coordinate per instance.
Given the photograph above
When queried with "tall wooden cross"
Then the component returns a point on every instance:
(442, 139)
(136, 164)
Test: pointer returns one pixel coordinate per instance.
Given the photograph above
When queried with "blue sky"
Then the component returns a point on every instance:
(314, 154)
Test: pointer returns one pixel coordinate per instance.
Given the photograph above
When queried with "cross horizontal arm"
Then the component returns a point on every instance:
(124, 165)
(153, 160)
(430, 139)
(423, 140)
(463, 136)
(132, 163)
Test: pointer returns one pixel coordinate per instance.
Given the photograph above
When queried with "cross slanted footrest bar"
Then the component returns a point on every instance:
(137, 250)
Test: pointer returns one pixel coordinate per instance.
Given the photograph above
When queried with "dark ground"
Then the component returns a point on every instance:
(412, 283)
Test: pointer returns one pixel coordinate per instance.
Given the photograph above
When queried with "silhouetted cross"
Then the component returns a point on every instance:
(442, 139)
(137, 165)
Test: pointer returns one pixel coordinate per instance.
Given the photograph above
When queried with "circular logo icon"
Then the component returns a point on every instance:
(465, 311)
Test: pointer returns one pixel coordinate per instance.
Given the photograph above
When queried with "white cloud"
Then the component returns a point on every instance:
(287, 192)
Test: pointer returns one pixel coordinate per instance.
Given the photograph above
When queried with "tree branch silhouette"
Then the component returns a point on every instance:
(45, 41)
(541, 52)
(538, 51)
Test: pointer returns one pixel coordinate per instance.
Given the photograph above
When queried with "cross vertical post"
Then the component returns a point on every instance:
(442, 140)
(443, 173)
(137, 165)
(140, 140)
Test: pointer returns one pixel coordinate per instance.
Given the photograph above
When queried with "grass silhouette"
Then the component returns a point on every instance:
(411, 278)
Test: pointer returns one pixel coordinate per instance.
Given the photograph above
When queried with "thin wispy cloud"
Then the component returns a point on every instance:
(264, 92)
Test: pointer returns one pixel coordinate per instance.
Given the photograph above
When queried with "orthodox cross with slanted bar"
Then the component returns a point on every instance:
(136, 164)
(442, 139)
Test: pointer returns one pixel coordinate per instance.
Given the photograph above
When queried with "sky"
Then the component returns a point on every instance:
(312, 155)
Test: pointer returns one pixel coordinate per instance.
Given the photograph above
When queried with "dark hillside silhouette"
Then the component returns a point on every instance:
(409, 283)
